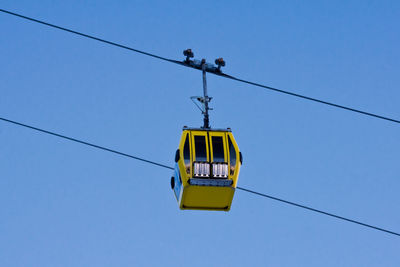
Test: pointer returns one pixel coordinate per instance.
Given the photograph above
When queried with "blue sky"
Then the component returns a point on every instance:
(64, 204)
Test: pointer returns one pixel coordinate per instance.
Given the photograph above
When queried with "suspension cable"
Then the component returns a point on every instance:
(171, 168)
(182, 63)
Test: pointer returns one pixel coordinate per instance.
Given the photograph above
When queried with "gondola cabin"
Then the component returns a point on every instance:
(207, 168)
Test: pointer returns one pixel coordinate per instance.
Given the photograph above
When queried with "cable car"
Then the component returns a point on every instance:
(207, 168)
(208, 161)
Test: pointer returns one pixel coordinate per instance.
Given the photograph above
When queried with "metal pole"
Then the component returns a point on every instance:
(206, 99)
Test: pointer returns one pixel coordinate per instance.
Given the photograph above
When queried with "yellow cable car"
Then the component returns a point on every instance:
(207, 168)
(208, 160)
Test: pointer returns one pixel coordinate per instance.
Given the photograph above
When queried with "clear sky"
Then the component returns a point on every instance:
(64, 204)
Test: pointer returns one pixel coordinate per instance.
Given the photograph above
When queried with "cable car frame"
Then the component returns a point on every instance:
(207, 161)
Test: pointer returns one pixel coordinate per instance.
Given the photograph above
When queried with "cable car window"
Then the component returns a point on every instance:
(232, 156)
(186, 154)
(218, 149)
(200, 148)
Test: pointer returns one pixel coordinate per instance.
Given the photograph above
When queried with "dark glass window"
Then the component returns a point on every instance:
(200, 147)
(232, 156)
(218, 148)
(186, 154)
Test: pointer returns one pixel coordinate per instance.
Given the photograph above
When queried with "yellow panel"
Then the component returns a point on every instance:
(238, 164)
(182, 166)
(181, 163)
(207, 198)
